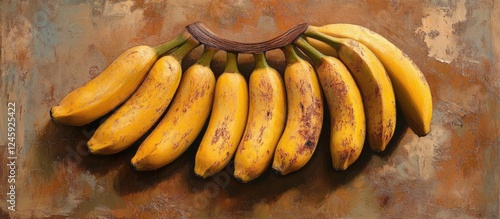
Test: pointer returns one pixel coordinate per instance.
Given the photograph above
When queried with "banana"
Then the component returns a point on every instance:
(410, 86)
(265, 123)
(322, 47)
(347, 116)
(141, 111)
(227, 121)
(111, 87)
(184, 119)
(374, 84)
(304, 118)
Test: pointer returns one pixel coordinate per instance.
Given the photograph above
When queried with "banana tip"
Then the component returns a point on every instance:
(96, 149)
(89, 148)
(239, 179)
(139, 166)
(340, 169)
(279, 172)
(199, 176)
(133, 167)
(51, 116)
(423, 133)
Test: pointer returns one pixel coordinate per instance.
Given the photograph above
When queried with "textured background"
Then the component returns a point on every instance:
(51, 47)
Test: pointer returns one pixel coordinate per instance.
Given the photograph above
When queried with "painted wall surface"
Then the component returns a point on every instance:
(51, 47)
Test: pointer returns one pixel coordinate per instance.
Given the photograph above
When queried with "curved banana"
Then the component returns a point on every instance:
(112, 87)
(141, 111)
(373, 82)
(265, 123)
(347, 116)
(410, 86)
(184, 119)
(322, 47)
(227, 121)
(305, 115)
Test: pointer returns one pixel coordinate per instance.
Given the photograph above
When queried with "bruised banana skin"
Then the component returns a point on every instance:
(374, 84)
(376, 90)
(141, 111)
(410, 86)
(348, 125)
(305, 115)
(345, 104)
(265, 123)
(111, 87)
(227, 121)
(184, 119)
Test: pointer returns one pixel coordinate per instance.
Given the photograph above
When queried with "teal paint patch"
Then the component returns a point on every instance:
(10, 81)
(478, 32)
(9, 7)
(73, 2)
(28, 109)
(45, 38)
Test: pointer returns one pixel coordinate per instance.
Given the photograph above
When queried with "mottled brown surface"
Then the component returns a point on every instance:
(51, 47)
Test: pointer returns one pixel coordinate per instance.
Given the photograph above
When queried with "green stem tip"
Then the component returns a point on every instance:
(315, 55)
(334, 42)
(165, 47)
(260, 60)
(231, 63)
(206, 56)
(185, 48)
(290, 54)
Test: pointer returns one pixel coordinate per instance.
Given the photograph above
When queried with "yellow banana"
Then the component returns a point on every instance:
(265, 123)
(184, 119)
(227, 121)
(347, 116)
(141, 111)
(304, 118)
(112, 87)
(374, 84)
(322, 47)
(410, 86)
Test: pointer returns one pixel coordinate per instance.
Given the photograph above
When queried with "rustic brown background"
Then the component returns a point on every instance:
(51, 47)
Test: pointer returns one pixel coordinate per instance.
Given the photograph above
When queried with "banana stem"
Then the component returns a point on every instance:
(290, 54)
(206, 56)
(185, 48)
(231, 63)
(260, 60)
(334, 42)
(207, 37)
(165, 47)
(310, 51)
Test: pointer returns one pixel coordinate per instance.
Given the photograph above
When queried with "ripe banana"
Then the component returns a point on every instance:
(374, 84)
(304, 118)
(227, 121)
(410, 86)
(141, 111)
(112, 87)
(184, 119)
(347, 116)
(322, 47)
(265, 123)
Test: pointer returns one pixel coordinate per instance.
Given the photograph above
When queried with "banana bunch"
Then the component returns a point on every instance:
(265, 119)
